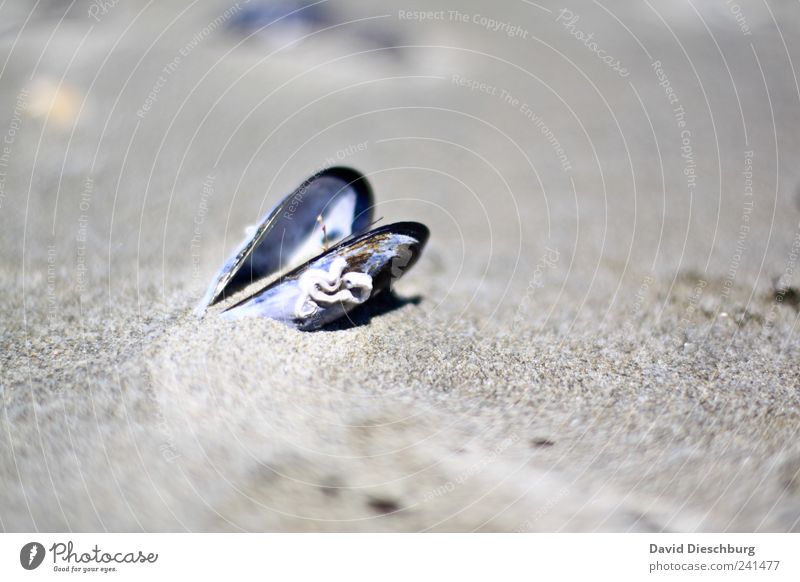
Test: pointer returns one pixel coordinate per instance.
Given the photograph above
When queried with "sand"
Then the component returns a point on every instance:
(600, 336)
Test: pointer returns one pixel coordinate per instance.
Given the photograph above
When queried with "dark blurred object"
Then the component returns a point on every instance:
(264, 17)
(283, 22)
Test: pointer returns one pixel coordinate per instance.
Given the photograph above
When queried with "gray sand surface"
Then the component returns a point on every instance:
(600, 336)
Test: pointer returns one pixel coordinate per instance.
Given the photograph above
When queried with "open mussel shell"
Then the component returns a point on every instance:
(325, 209)
(340, 279)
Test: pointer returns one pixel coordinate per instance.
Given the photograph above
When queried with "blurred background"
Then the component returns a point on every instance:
(506, 109)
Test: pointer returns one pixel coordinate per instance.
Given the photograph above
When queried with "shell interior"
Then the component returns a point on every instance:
(327, 208)
(381, 256)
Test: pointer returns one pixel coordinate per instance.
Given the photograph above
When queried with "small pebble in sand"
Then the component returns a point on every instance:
(55, 101)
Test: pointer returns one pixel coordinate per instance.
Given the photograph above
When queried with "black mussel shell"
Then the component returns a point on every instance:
(330, 285)
(328, 207)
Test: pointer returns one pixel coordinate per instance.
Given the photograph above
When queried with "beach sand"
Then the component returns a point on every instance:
(600, 336)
